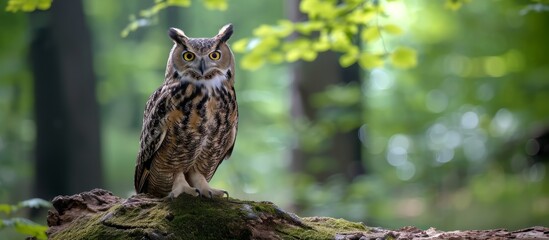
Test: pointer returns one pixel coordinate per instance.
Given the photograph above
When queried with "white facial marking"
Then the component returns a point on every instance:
(214, 82)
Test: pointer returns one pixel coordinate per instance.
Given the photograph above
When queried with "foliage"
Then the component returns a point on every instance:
(148, 16)
(330, 26)
(17, 128)
(340, 26)
(435, 135)
(455, 4)
(23, 225)
(28, 5)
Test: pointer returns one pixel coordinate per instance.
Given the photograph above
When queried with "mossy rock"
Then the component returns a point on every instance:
(100, 215)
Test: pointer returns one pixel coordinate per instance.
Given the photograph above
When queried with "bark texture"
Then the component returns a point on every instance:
(68, 149)
(98, 214)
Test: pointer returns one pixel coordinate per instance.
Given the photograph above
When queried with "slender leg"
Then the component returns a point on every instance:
(198, 181)
(180, 185)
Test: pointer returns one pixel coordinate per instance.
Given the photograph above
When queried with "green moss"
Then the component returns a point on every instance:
(88, 227)
(199, 218)
(320, 228)
(153, 216)
(119, 222)
(335, 224)
(264, 207)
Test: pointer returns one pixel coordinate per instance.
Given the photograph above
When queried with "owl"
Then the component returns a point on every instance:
(190, 121)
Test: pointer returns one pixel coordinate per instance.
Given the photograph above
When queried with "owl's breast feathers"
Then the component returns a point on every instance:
(185, 126)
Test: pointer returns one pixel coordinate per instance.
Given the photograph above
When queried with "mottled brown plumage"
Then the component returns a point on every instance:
(190, 122)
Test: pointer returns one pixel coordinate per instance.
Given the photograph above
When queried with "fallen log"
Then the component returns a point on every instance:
(98, 214)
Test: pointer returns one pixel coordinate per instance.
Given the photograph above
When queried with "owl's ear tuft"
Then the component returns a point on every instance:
(177, 35)
(225, 33)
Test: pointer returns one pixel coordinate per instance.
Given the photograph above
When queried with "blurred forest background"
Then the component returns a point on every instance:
(455, 138)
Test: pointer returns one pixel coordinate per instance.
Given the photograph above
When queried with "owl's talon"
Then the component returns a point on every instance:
(203, 195)
(198, 180)
(195, 192)
(170, 197)
(212, 193)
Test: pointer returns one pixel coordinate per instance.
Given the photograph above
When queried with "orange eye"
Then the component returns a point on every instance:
(188, 56)
(215, 55)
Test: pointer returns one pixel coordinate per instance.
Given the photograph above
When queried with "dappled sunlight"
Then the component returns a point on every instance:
(467, 123)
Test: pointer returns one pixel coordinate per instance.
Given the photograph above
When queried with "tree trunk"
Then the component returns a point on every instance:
(343, 156)
(66, 111)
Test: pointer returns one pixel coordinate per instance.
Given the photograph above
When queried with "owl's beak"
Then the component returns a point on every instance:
(202, 66)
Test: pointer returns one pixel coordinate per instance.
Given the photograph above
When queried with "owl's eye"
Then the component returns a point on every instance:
(188, 56)
(215, 55)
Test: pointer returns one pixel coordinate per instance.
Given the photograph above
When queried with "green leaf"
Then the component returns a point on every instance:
(27, 5)
(404, 57)
(340, 41)
(264, 45)
(321, 45)
(6, 208)
(31, 203)
(310, 26)
(284, 28)
(369, 61)
(241, 45)
(178, 3)
(27, 227)
(361, 17)
(370, 34)
(252, 61)
(130, 28)
(263, 30)
(348, 59)
(455, 4)
(293, 55)
(276, 57)
(319, 8)
(44, 5)
(298, 49)
(35, 203)
(309, 55)
(216, 4)
(146, 15)
(350, 28)
(392, 29)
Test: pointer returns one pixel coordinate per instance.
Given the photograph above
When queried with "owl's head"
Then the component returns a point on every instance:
(201, 59)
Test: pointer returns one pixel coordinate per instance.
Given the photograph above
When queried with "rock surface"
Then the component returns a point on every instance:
(98, 214)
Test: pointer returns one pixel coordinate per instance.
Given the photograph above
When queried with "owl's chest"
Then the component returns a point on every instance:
(205, 115)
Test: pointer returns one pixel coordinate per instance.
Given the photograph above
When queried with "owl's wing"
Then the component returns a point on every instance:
(229, 150)
(152, 136)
